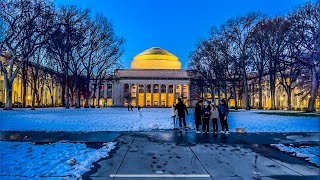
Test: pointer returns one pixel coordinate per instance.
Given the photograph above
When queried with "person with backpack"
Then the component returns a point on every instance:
(173, 114)
(197, 115)
(223, 114)
(182, 111)
(205, 118)
(214, 117)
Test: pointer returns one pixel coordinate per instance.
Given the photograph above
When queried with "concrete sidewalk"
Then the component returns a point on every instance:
(234, 156)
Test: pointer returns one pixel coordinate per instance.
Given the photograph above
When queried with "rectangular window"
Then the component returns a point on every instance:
(109, 91)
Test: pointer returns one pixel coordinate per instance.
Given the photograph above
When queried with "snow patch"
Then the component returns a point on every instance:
(66, 160)
(310, 153)
(120, 119)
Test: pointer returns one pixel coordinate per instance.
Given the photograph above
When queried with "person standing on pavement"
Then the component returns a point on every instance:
(205, 118)
(173, 113)
(223, 114)
(214, 117)
(197, 115)
(182, 111)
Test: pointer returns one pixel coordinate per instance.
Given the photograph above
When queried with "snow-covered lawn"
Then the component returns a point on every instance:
(26, 160)
(120, 119)
(310, 153)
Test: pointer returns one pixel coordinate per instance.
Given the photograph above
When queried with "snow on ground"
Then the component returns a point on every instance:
(311, 153)
(120, 119)
(26, 160)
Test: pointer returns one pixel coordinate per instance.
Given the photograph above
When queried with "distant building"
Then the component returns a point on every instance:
(155, 79)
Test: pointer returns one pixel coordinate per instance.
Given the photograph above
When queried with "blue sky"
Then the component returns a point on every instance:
(174, 25)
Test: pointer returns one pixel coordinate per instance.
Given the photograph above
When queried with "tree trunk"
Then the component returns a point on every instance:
(219, 97)
(289, 98)
(78, 95)
(235, 96)
(94, 96)
(246, 93)
(63, 93)
(87, 92)
(24, 84)
(52, 103)
(67, 102)
(314, 89)
(273, 91)
(8, 105)
(40, 96)
(98, 99)
(212, 94)
(33, 96)
(260, 92)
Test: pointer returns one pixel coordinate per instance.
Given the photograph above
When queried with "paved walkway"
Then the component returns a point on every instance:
(236, 156)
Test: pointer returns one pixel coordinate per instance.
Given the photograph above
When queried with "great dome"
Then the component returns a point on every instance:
(155, 58)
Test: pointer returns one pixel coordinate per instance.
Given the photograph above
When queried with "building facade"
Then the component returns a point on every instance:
(155, 79)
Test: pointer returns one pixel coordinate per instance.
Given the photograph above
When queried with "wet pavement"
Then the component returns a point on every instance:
(187, 154)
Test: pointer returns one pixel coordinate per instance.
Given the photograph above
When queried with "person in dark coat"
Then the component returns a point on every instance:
(205, 118)
(182, 110)
(223, 114)
(197, 115)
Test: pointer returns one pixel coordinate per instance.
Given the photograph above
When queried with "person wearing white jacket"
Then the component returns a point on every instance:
(173, 114)
(214, 117)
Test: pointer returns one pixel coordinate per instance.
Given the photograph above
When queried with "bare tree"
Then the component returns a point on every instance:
(306, 31)
(239, 32)
(101, 53)
(25, 23)
(259, 55)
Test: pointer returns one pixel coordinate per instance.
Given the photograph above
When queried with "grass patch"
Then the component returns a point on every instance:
(302, 114)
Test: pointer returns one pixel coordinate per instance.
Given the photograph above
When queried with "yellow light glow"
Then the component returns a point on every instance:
(29, 97)
(155, 58)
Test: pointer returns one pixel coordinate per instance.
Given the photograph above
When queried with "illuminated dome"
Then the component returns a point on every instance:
(155, 58)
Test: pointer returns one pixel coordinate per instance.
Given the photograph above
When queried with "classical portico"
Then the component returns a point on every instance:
(155, 79)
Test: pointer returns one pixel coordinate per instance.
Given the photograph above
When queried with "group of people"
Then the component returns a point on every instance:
(204, 113)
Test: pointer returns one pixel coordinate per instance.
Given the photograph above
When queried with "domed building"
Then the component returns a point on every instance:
(155, 79)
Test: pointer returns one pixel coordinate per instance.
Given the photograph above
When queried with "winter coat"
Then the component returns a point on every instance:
(197, 114)
(223, 110)
(214, 112)
(173, 112)
(206, 113)
(181, 108)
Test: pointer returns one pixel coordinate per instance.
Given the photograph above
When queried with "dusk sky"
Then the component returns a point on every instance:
(176, 26)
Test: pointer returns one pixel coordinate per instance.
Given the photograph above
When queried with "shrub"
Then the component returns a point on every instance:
(1, 104)
(298, 109)
(231, 107)
(17, 105)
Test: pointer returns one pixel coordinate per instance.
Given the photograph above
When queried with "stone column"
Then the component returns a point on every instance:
(129, 99)
(159, 95)
(105, 90)
(137, 95)
(167, 92)
(105, 95)
(152, 85)
(145, 95)
(174, 93)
